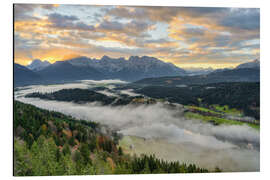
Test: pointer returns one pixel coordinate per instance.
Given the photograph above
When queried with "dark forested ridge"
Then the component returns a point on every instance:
(76, 95)
(84, 96)
(244, 96)
(50, 143)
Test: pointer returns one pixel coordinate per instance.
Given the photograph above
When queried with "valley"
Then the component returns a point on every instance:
(168, 123)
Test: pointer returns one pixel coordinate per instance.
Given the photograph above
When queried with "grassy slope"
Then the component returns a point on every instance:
(217, 120)
(227, 110)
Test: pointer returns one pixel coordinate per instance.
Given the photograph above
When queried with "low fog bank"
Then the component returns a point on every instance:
(83, 84)
(108, 81)
(229, 159)
(107, 93)
(232, 148)
(49, 88)
(129, 92)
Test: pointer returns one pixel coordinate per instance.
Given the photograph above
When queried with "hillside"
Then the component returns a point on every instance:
(50, 143)
(244, 96)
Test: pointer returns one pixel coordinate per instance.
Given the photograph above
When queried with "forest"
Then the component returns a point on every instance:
(76, 95)
(244, 96)
(50, 143)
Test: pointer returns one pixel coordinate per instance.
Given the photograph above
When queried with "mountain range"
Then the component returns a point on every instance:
(231, 75)
(133, 69)
(81, 68)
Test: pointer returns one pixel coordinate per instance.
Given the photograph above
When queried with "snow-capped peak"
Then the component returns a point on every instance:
(37, 65)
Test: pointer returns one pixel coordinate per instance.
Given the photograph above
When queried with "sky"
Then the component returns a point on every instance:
(185, 36)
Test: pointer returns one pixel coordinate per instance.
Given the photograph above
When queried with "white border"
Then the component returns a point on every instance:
(6, 84)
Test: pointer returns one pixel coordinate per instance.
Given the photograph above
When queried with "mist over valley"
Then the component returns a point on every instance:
(157, 126)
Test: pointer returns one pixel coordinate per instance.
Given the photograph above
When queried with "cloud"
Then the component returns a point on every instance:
(24, 11)
(194, 31)
(246, 19)
(159, 13)
(67, 22)
(133, 28)
(129, 92)
(58, 18)
(107, 81)
(126, 12)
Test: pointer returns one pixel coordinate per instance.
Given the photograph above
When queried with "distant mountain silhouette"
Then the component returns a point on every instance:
(145, 69)
(81, 68)
(23, 76)
(233, 75)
